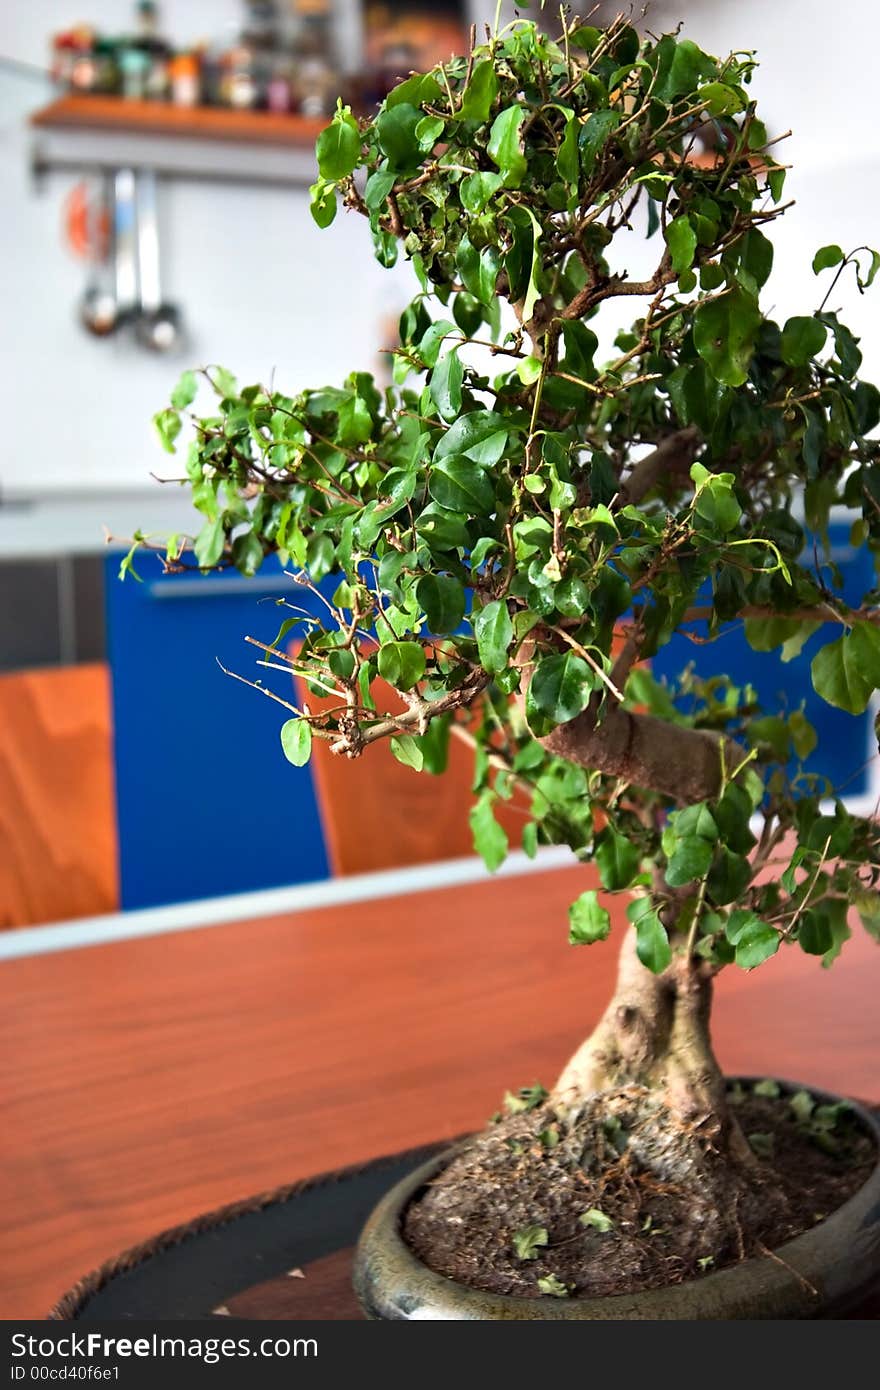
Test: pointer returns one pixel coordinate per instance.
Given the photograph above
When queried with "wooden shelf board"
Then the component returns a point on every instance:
(115, 114)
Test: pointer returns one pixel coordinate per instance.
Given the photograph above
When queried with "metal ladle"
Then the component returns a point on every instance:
(103, 309)
(157, 324)
(99, 306)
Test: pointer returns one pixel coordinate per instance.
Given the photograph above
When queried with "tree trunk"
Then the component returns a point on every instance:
(654, 1035)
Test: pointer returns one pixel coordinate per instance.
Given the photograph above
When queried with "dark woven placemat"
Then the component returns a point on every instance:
(284, 1254)
(190, 1270)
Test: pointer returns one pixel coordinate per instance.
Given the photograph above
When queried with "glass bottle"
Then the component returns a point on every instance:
(316, 72)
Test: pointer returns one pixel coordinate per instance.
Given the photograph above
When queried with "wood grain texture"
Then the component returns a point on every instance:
(149, 1080)
(57, 816)
(323, 1294)
(85, 112)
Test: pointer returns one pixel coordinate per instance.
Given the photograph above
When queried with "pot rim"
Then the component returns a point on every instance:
(796, 1283)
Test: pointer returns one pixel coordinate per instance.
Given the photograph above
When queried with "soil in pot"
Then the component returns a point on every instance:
(578, 1206)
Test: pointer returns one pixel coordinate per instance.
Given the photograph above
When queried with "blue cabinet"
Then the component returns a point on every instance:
(207, 804)
(846, 743)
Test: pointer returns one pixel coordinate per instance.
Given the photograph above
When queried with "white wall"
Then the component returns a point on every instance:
(815, 78)
(263, 289)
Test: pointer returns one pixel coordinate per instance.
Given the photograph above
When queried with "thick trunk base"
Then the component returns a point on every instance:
(637, 1129)
(654, 1035)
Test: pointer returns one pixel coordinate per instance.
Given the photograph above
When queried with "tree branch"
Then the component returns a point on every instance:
(818, 613)
(649, 752)
(673, 455)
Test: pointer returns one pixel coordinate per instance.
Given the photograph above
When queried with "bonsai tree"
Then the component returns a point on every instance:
(521, 520)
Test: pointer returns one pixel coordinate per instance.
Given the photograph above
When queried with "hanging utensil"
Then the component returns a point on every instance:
(125, 243)
(99, 307)
(157, 324)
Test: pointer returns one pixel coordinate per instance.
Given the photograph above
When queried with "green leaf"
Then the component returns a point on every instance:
(527, 1098)
(529, 1241)
(762, 1143)
(168, 426)
(432, 341)
(553, 1286)
(401, 664)
(682, 242)
(322, 203)
(415, 90)
(754, 940)
(768, 1088)
(775, 181)
(493, 630)
(442, 599)
(462, 486)
(595, 132)
(377, 188)
(725, 331)
(802, 1105)
(728, 877)
(689, 860)
(802, 339)
(696, 820)
(408, 751)
(617, 858)
(597, 1219)
(814, 936)
(689, 64)
(588, 921)
(847, 672)
(867, 905)
(568, 161)
(803, 735)
(561, 687)
(296, 741)
(530, 839)
(442, 530)
(247, 553)
(720, 100)
(763, 634)
(490, 839)
(715, 501)
(210, 544)
(865, 281)
(476, 190)
(396, 132)
(826, 257)
(478, 269)
(836, 914)
(338, 147)
(770, 733)
(185, 391)
(445, 385)
(480, 92)
(652, 942)
(755, 253)
(504, 147)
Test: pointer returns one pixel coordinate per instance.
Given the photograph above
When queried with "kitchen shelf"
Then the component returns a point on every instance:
(108, 113)
(84, 134)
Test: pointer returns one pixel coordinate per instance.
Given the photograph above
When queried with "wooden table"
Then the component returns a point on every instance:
(148, 1080)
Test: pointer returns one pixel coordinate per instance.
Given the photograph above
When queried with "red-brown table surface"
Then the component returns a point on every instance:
(146, 1081)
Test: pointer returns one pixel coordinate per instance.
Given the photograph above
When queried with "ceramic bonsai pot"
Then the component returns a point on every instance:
(817, 1274)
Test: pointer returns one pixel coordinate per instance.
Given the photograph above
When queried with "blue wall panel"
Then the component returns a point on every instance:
(206, 802)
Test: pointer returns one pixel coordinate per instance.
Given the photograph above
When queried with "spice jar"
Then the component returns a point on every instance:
(134, 65)
(185, 79)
